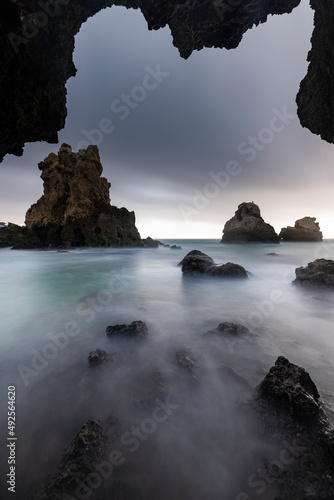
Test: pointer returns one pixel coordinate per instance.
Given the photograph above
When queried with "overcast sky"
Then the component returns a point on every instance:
(191, 139)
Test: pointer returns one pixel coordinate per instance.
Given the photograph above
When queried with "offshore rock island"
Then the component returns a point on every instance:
(247, 226)
(75, 209)
(305, 229)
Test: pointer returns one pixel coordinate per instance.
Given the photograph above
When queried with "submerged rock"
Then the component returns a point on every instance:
(185, 361)
(228, 329)
(247, 226)
(318, 272)
(97, 357)
(305, 229)
(136, 330)
(288, 410)
(196, 262)
(75, 209)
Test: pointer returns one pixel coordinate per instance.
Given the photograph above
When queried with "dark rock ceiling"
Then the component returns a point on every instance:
(37, 43)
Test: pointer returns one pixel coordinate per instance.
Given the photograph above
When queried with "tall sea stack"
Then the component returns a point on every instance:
(75, 208)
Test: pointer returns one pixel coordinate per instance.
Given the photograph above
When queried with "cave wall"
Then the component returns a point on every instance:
(37, 43)
(315, 99)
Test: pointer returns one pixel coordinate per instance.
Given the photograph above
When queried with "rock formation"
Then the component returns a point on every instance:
(37, 44)
(289, 411)
(315, 103)
(196, 262)
(75, 208)
(306, 229)
(247, 226)
(319, 272)
(12, 234)
(136, 330)
(229, 330)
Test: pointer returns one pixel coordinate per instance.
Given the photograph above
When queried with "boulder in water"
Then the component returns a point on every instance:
(197, 262)
(319, 272)
(136, 330)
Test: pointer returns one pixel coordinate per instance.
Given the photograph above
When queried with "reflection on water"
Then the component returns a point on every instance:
(55, 307)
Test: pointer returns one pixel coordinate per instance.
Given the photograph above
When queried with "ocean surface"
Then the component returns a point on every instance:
(56, 305)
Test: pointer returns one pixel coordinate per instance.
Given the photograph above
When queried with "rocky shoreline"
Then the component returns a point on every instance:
(285, 408)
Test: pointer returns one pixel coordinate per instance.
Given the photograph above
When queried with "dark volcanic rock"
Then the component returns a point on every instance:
(75, 208)
(150, 243)
(36, 61)
(92, 445)
(305, 229)
(315, 97)
(289, 411)
(16, 236)
(318, 272)
(227, 329)
(228, 270)
(10, 235)
(97, 357)
(136, 330)
(185, 361)
(176, 247)
(247, 226)
(196, 262)
(76, 463)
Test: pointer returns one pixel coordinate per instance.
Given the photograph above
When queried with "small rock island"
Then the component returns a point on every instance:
(305, 229)
(247, 226)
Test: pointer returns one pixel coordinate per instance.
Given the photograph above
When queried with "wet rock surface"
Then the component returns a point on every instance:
(285, 407)
(185, 361)
(247, 226)
(151, 243)
(288, 408)
(97, 358)
(135, 330)
(305, 229)
(197, 262)
(228, 329)
(320, 272)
